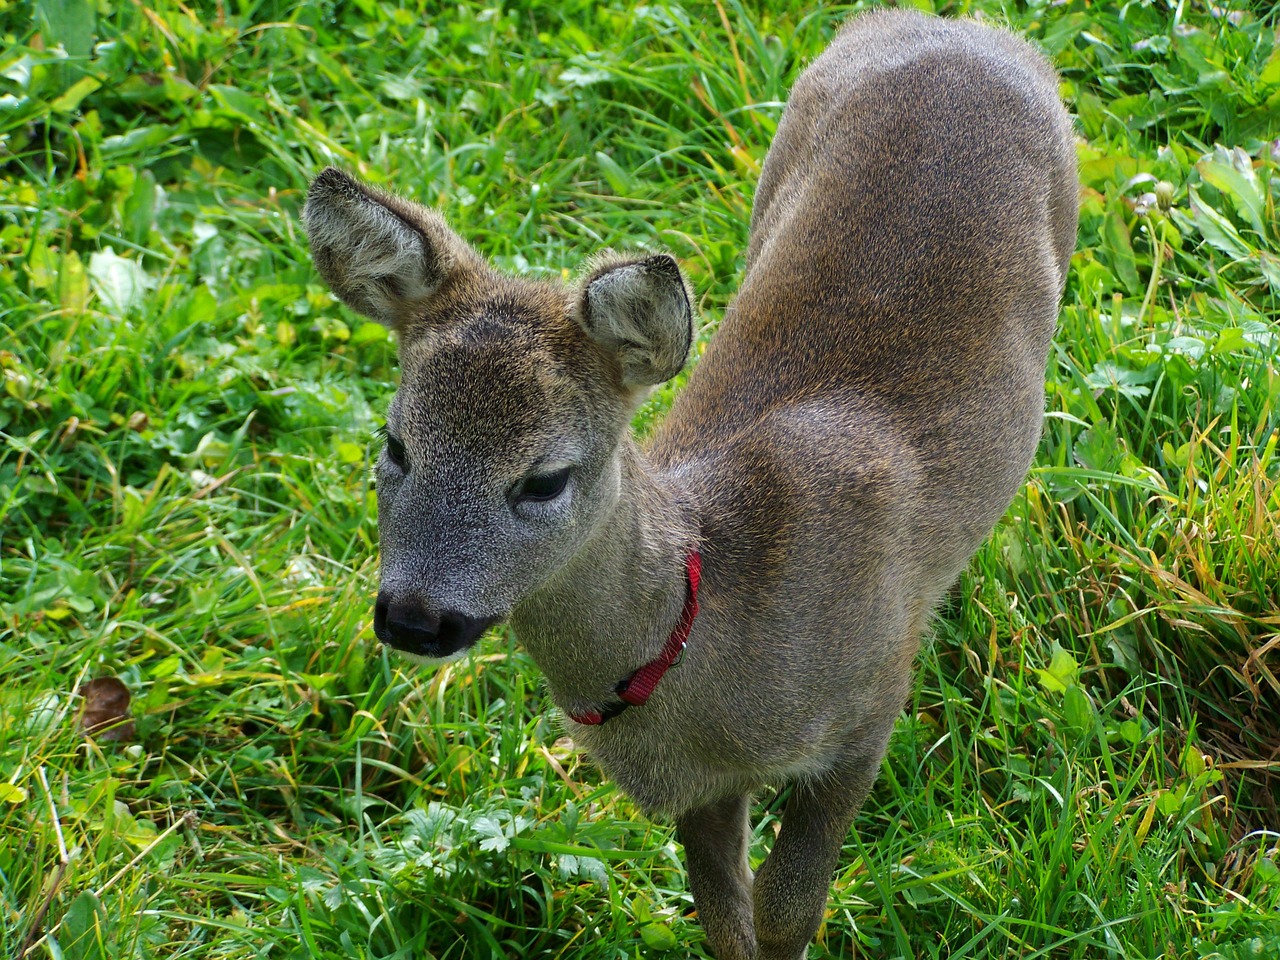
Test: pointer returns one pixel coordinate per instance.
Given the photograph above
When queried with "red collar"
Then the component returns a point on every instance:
(635, 690)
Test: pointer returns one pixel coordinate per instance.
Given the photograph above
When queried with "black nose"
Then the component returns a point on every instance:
(412, 628)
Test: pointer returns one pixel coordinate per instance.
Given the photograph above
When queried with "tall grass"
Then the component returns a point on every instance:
(1088, 765)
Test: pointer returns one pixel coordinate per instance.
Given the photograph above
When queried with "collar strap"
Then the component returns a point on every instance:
(635, 690)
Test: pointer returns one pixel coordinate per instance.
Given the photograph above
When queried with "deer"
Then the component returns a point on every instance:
(735, 604)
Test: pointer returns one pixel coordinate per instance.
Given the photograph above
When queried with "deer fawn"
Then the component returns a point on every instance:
(864, 415)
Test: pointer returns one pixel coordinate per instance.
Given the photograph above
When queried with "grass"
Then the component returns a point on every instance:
(1089, 764)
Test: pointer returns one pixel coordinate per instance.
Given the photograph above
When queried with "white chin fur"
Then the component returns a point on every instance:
(424, 661)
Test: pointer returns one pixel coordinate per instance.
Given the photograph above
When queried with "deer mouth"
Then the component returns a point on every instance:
(425, 635)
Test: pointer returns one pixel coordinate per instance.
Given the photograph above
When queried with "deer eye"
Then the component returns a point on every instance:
(395, 450)
(541, 487)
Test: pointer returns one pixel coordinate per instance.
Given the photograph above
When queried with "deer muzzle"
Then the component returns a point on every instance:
(411, 628)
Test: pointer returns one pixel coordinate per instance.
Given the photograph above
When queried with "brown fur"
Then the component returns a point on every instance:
(862, 418)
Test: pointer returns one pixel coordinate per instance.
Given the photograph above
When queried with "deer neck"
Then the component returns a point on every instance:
(611, 608)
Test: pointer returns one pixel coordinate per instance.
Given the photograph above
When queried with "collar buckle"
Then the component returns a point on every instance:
(680, 655)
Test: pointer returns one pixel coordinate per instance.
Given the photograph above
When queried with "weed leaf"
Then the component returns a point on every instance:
(1217, 229)
(83, 927)
(1116, 231)
(1063, 671)
(70, 23)
(1244, 191)
(120, 284)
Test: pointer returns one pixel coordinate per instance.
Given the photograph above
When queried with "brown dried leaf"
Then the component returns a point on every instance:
(106, 710)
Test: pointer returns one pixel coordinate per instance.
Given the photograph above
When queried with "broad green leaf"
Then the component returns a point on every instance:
(234, 101)
(120, 284)
(617, 178)
(369, 332)
(137, 140)
(70, 100)
(657, 937)
(1177, 369)
(1098, 448)
(1135, 108)
(83, 928)
(1092, 114)
(473, 101)
(1244, 191)
(1062, 31)
(1192, 761)
(201, 306)
(1078, 709)
(1107, 375)
(495, 838)
(1267, 871)
(1217, 229)
(11, 794)
(140, 209)
(70, 23)
(1098, 172)
(401, 88)
(1192, 347)
(1229, 340)
(1170, 802)
(1116, 235)
(1063, 671)
(1269, 264)
(577, 77)
(593, 869)
(1131, 732)
(1270, 75)
(1180, 456)
(19, 71)
(350, 452)
(41, 267)
(211, 451)
(73, 284)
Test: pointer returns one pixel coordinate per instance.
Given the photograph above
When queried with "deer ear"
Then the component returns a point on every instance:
(382, 256)
(640, 310)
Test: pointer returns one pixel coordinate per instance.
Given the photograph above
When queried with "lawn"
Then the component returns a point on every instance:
(1089, 766)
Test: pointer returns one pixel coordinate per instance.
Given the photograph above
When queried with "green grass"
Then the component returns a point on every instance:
(1090, 763)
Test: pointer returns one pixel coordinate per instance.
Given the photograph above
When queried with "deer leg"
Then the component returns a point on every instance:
(715, 839)
(791, 886)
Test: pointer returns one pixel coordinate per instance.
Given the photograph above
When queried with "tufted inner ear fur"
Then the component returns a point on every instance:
(383, 256)
(639, 308)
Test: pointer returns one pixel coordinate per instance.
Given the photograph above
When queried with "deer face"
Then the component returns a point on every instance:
(501, 454)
